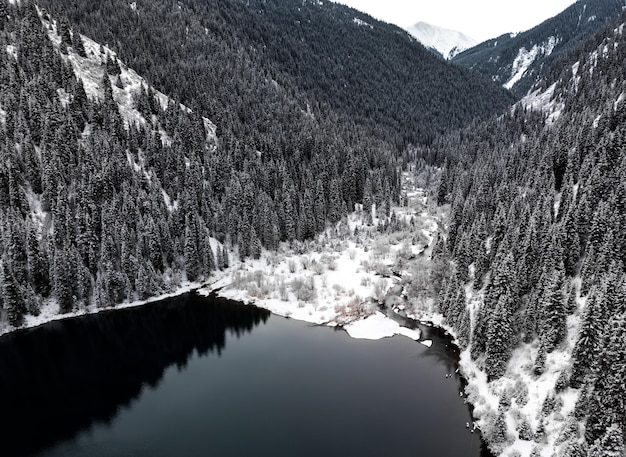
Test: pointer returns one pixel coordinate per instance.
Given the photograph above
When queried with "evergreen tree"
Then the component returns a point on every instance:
(11, 296)
(77, 45)
(192, 257)
(608, 405)
(584, 355)
(610, 444)
(499, 339)
(553, 327)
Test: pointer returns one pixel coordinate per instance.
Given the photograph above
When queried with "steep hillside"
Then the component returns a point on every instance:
(517, 61)
(535, 241)
(244, 61)
(445, 42)
(112, 192)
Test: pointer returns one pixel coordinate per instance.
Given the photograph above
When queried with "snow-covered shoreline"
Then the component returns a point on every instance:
(50, 311)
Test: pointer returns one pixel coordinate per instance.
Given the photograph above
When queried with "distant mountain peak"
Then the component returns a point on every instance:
(446, 42)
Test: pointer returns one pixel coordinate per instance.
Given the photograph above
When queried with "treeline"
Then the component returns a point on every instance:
(537, 227)
(96, 209)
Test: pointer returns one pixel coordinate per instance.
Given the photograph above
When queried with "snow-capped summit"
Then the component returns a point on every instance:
(446, 42)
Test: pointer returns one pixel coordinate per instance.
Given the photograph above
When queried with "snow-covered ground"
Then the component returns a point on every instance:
(544, 101)
(341, 277)
(525, 58)
(447, 42)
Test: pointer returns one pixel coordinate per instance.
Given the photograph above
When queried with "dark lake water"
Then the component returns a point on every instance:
(192, 376)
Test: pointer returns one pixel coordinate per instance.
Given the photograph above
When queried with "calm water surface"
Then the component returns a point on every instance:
(204, 377)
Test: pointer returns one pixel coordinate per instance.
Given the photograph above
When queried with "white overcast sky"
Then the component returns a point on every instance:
(480, 19)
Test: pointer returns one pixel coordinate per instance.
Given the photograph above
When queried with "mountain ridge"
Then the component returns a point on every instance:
(518, 60)
(446, 42)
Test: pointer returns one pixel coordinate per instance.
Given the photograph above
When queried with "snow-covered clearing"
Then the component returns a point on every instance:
(341, 277)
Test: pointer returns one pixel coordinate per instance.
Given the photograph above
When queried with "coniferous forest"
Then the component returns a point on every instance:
(538, 210)
(150, 143)
(132, 202)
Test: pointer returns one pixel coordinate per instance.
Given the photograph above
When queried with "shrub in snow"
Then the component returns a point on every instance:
(317, 267)
(378, 267)
(329, 261)
(291, 264)
(253, 290)
(304, 290)
(536, 452)
(299, 247)
(520, 393)
(379, 290)
(282, 291)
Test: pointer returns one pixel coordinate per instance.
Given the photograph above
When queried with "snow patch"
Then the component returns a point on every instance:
(64, 97)
(447, 42)
(362, 23)
(12, 51)
(525, 58)
(37, 214)
(377, 327)
(171, 206)
(545, 102)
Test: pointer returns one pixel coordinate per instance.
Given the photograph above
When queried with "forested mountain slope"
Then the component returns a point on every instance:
(518, 61)
(110, 191)
(247, 62)
(537, 246)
